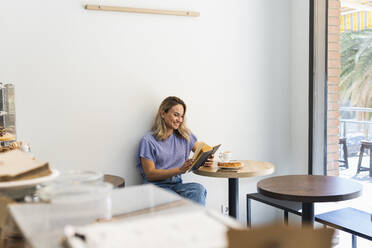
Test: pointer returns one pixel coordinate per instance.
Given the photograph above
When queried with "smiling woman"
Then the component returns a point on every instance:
(163, 153)
(170, 117)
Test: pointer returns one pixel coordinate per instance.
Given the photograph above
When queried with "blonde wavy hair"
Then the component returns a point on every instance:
(159, 129)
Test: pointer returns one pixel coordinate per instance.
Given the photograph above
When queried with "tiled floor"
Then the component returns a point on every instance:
(363, 202)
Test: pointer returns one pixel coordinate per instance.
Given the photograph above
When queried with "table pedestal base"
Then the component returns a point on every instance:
(233, 197)
(307, 213)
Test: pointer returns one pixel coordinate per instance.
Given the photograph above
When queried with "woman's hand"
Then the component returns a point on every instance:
(186, 166)
(209, 161)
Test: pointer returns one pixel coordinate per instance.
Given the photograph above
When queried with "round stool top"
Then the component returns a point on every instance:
(250, 168)
(309, 188)
(342, 140)
(116, 181)
(366, 142)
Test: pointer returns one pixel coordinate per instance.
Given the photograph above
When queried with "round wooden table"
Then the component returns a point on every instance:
(250, 168)
(309, 189)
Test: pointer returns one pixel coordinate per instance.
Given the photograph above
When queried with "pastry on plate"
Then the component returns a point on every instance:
(231, 164)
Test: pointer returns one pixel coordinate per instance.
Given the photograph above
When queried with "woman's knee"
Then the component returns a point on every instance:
(197, 192)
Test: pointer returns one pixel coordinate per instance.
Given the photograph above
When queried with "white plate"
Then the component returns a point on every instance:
(229, 168)
(29, 182)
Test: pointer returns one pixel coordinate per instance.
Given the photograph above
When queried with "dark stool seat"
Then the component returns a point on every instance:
(365, 145)
(344, 161)
(354, 221)
(116, 181)
(287, 206)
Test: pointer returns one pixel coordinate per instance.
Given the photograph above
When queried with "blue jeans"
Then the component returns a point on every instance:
(192, 191)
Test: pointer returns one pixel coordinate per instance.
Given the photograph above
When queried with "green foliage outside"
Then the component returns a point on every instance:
(356, 70)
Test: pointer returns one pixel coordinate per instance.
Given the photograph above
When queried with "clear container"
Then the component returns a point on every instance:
(77, 203)
(79, 176)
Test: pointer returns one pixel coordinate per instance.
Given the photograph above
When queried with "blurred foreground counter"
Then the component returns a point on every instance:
(144, 212)
(9, 233)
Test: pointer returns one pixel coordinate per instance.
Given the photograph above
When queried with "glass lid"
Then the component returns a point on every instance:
(79, 176)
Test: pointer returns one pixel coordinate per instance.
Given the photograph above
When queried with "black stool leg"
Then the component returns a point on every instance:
(286, 217)
(360, 158)
(353, 241)
(249, 224)
(345, 156)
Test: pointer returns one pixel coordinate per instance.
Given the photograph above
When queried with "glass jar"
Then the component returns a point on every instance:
(7, 115)
(76, 203)
(79, 176)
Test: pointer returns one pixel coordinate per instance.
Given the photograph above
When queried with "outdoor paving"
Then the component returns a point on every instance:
(364, 202)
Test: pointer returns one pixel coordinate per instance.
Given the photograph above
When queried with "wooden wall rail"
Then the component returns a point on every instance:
(142, 10)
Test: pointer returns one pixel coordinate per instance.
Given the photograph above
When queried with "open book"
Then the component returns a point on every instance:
(201, 155)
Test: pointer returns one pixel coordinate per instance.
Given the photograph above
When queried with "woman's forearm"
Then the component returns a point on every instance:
(158, 174)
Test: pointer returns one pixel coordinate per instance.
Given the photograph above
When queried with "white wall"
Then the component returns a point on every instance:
(88, 83)
(299, 85)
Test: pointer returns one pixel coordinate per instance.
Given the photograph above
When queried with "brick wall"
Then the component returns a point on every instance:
(333, 117)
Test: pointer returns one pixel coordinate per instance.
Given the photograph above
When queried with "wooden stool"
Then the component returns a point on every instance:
(343, 162)
(350, 220)
(117, 181)
(365, 145)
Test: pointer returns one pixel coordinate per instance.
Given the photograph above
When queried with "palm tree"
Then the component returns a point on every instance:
(356, 70)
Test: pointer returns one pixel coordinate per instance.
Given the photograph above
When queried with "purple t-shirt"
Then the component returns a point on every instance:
(166, 154)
